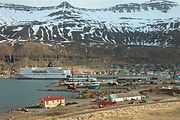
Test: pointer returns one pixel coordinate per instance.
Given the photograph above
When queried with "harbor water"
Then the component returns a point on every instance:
(20, 93)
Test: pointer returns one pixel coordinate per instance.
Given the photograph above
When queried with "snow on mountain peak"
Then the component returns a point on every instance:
(65, 5)
(162, 1)
(155, 22)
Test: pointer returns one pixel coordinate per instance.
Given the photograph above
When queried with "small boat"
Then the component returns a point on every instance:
(83, 79)
(89, 85)
(95, 86)
(83, 84)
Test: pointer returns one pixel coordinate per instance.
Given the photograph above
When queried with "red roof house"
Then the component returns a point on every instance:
(52, 101)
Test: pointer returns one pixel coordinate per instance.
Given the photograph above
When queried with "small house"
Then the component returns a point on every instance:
(126, 96)
(52, 101)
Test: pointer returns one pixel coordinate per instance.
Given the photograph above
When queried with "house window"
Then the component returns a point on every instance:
(52, 101)
(57, 100)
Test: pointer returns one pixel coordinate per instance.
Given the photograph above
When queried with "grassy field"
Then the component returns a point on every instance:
(159, 111)
(164, 110)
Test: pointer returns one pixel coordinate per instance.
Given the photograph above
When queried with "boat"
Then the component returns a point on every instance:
(82, 79)
(93, 86)
(48, 72)
(82, 84)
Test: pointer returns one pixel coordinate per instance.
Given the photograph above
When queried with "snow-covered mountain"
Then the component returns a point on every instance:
(154, 23)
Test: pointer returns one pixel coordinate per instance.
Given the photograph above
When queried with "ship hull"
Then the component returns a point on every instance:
(93, 86)
(19, 76)
(89, 86)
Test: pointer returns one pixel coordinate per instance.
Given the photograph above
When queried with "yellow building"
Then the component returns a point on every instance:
(52, 101)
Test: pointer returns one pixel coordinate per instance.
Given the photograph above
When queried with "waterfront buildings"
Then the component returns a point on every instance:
(52, 101)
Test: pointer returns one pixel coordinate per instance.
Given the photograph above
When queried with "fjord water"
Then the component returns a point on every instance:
(20, 93)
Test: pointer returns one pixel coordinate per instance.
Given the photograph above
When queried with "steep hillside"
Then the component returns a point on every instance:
(37, 54)
(153, 23)
(6, 49)
(31, 48)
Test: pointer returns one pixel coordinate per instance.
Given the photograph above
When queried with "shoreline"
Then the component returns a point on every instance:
(83, 105)
(8, 76)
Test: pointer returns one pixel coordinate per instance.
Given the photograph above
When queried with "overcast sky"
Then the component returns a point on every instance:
(76, 3)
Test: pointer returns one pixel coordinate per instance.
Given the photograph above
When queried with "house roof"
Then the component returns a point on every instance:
(49, 98)
(121, 95)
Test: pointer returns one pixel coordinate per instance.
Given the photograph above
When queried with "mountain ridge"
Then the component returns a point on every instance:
(151, 23)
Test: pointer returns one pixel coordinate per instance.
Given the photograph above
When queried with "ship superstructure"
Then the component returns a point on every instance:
(43, 73)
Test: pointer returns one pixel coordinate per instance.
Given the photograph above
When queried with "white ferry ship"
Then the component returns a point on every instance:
(43, 73)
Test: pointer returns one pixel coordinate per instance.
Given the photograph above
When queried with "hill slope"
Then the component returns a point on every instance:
(153, 23)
